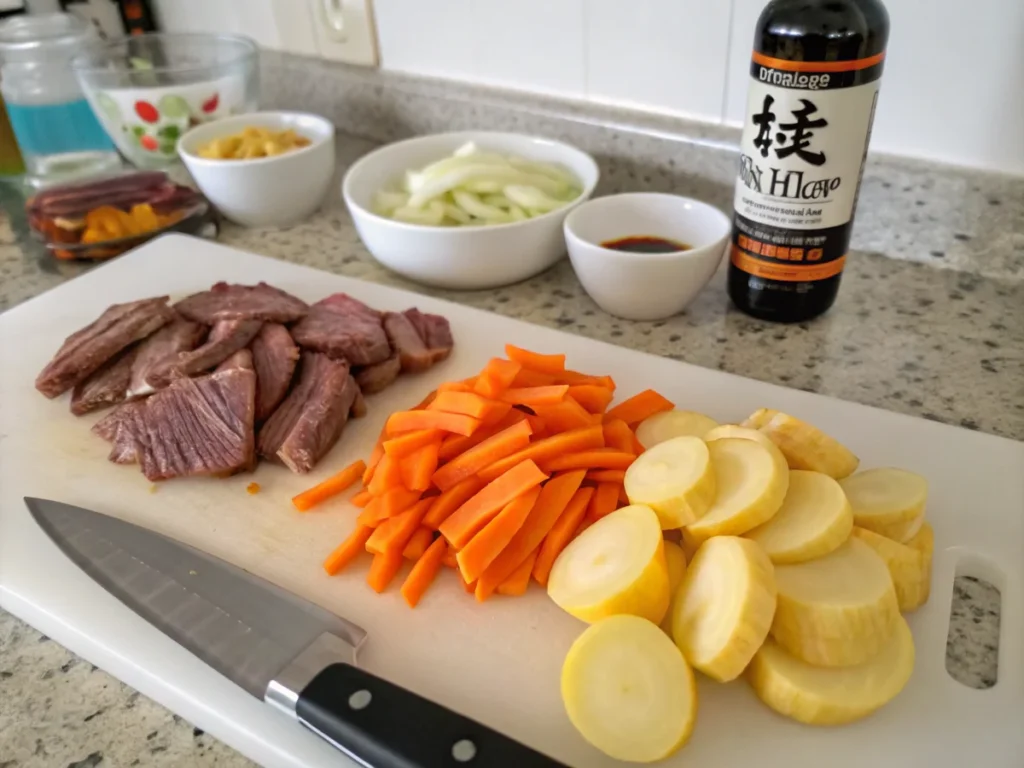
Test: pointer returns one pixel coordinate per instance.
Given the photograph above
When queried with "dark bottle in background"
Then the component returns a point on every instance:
(815, 74)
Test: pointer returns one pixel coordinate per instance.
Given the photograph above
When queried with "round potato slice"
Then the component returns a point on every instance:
(675, 478)
(910, 564)
(668, 424)
(887, 501)
(675, 560)
(804, 445)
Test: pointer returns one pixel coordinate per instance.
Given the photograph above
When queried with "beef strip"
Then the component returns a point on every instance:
(274, 355)
(374, 378)
(345, 329)
(242, 302)
(160, 350)
(85, 351)
(201, 426)
(405, 339)
(435, 332)
(226, 338)
(310, 420)
(105, 387)
(242, 360)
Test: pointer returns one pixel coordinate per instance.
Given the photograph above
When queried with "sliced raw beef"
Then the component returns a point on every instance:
(358, 406)
(374, 378)
(435, 332)
(85, 351)
(242, 302)
(405, 339)
(344, 328)
(226, 338)
(241, 360)
(310, 420)
(274, 354)
(106, 387)
(201, 426)
(160, 350)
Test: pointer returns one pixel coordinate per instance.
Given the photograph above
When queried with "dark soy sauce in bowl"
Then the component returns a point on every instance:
(645, 244)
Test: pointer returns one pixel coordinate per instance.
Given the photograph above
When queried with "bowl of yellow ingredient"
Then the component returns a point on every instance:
(263, 169)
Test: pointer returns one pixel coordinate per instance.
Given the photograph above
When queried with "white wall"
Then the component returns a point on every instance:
(953, 88)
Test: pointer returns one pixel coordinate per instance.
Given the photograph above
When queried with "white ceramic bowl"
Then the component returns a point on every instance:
(645, 286)
(265, 191)
(472, 257)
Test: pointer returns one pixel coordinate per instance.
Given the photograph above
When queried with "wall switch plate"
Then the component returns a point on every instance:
(344, 30)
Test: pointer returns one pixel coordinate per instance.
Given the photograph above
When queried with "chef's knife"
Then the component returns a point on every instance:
(280, 648)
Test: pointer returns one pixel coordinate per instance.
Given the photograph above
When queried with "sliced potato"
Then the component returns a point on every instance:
(838, 610)
(668, 424)
(675, 478)
(615, 566)
(724, 607)
(814, 519)
(824, 696)
(628, 690)
(751, 479)
(675, 561)
(746, 433)
(910, 564)
(690, 544)
(887, 501)
(804, 445)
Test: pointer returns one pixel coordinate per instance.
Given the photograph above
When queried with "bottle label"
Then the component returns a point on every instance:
(801, 158)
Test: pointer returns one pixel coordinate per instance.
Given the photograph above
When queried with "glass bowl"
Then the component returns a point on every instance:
(147, 90)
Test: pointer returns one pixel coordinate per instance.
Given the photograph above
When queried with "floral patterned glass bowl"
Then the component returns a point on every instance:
(147, 90)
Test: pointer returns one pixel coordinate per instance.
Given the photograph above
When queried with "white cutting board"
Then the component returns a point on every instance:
(498, 662)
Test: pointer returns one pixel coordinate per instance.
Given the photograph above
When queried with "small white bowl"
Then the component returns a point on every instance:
(465, 258)
(264, 191)
(645, 286)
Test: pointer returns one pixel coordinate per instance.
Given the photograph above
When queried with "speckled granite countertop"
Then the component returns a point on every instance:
(937, 343)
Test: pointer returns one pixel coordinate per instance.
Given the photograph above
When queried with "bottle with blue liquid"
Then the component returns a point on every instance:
(57, 132)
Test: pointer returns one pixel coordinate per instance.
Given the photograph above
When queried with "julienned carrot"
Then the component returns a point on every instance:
(418, 543)
(519, 581)
(456, 445)
(452, 499)
(470, 404)
(594, 398)
(372, 514)
(530, 378)
(395, 532)
(540, 429)
(362, 498)
(383, 569)
(371, 463)
(449, 560)
(554, 498)
(330, 487)
(565, 416)
(496, 447)
(485, 546)
(481, 508)
(561, 534)
(381, 534)
(604, 502)
(419, 467)
(639, 407)
(548, 448)
(532, 396)
(409, 421)
(395, 500)
(575, 378)
(466, 585)
(348, 550)
(496, 377)
(618, 435)
(410, 442)
(599, 458)
(388, 474)
(607, 476)
(423, 572)
(465, 385)
(535, 361)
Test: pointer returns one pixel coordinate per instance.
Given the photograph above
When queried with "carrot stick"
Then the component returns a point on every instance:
(553, 499)
(544, 450)
(419, 467)
(450, 561)
(496, 377)
(371, 463)
(639, 407)
(607, 476)
(410, 442)
(604, 502)
(535, 361)
(409, 421)
(518, 582)
(485, 546)
(397, 500)
(395, 532)
(594, 398)
(468, 586)
(418, 543)
(470, 404)
(423, 573)
(425, 401)
(388, 474)
(618, 435)
(575, 378)
(381, 534)
(496, 447)
(383, 569)
(455, 445)
(540, 429)
(452, 499)
(529, 378)
(599, 458)
(565, 416)
(561, 534)
(348, 550)
(532, 396)
(454, 386)
(362, 498)
(481, 508)
(330, 487)
(372, 514)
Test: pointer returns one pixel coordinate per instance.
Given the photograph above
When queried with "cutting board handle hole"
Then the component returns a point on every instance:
(972, 641)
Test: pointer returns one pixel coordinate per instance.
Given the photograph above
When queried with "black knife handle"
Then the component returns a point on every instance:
(384, 726)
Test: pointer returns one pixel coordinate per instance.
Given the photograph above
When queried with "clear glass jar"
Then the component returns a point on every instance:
(57, 132)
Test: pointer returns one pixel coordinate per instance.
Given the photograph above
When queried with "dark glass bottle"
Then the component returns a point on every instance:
(815, 74)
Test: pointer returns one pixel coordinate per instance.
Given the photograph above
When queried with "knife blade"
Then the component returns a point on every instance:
(294, 655)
